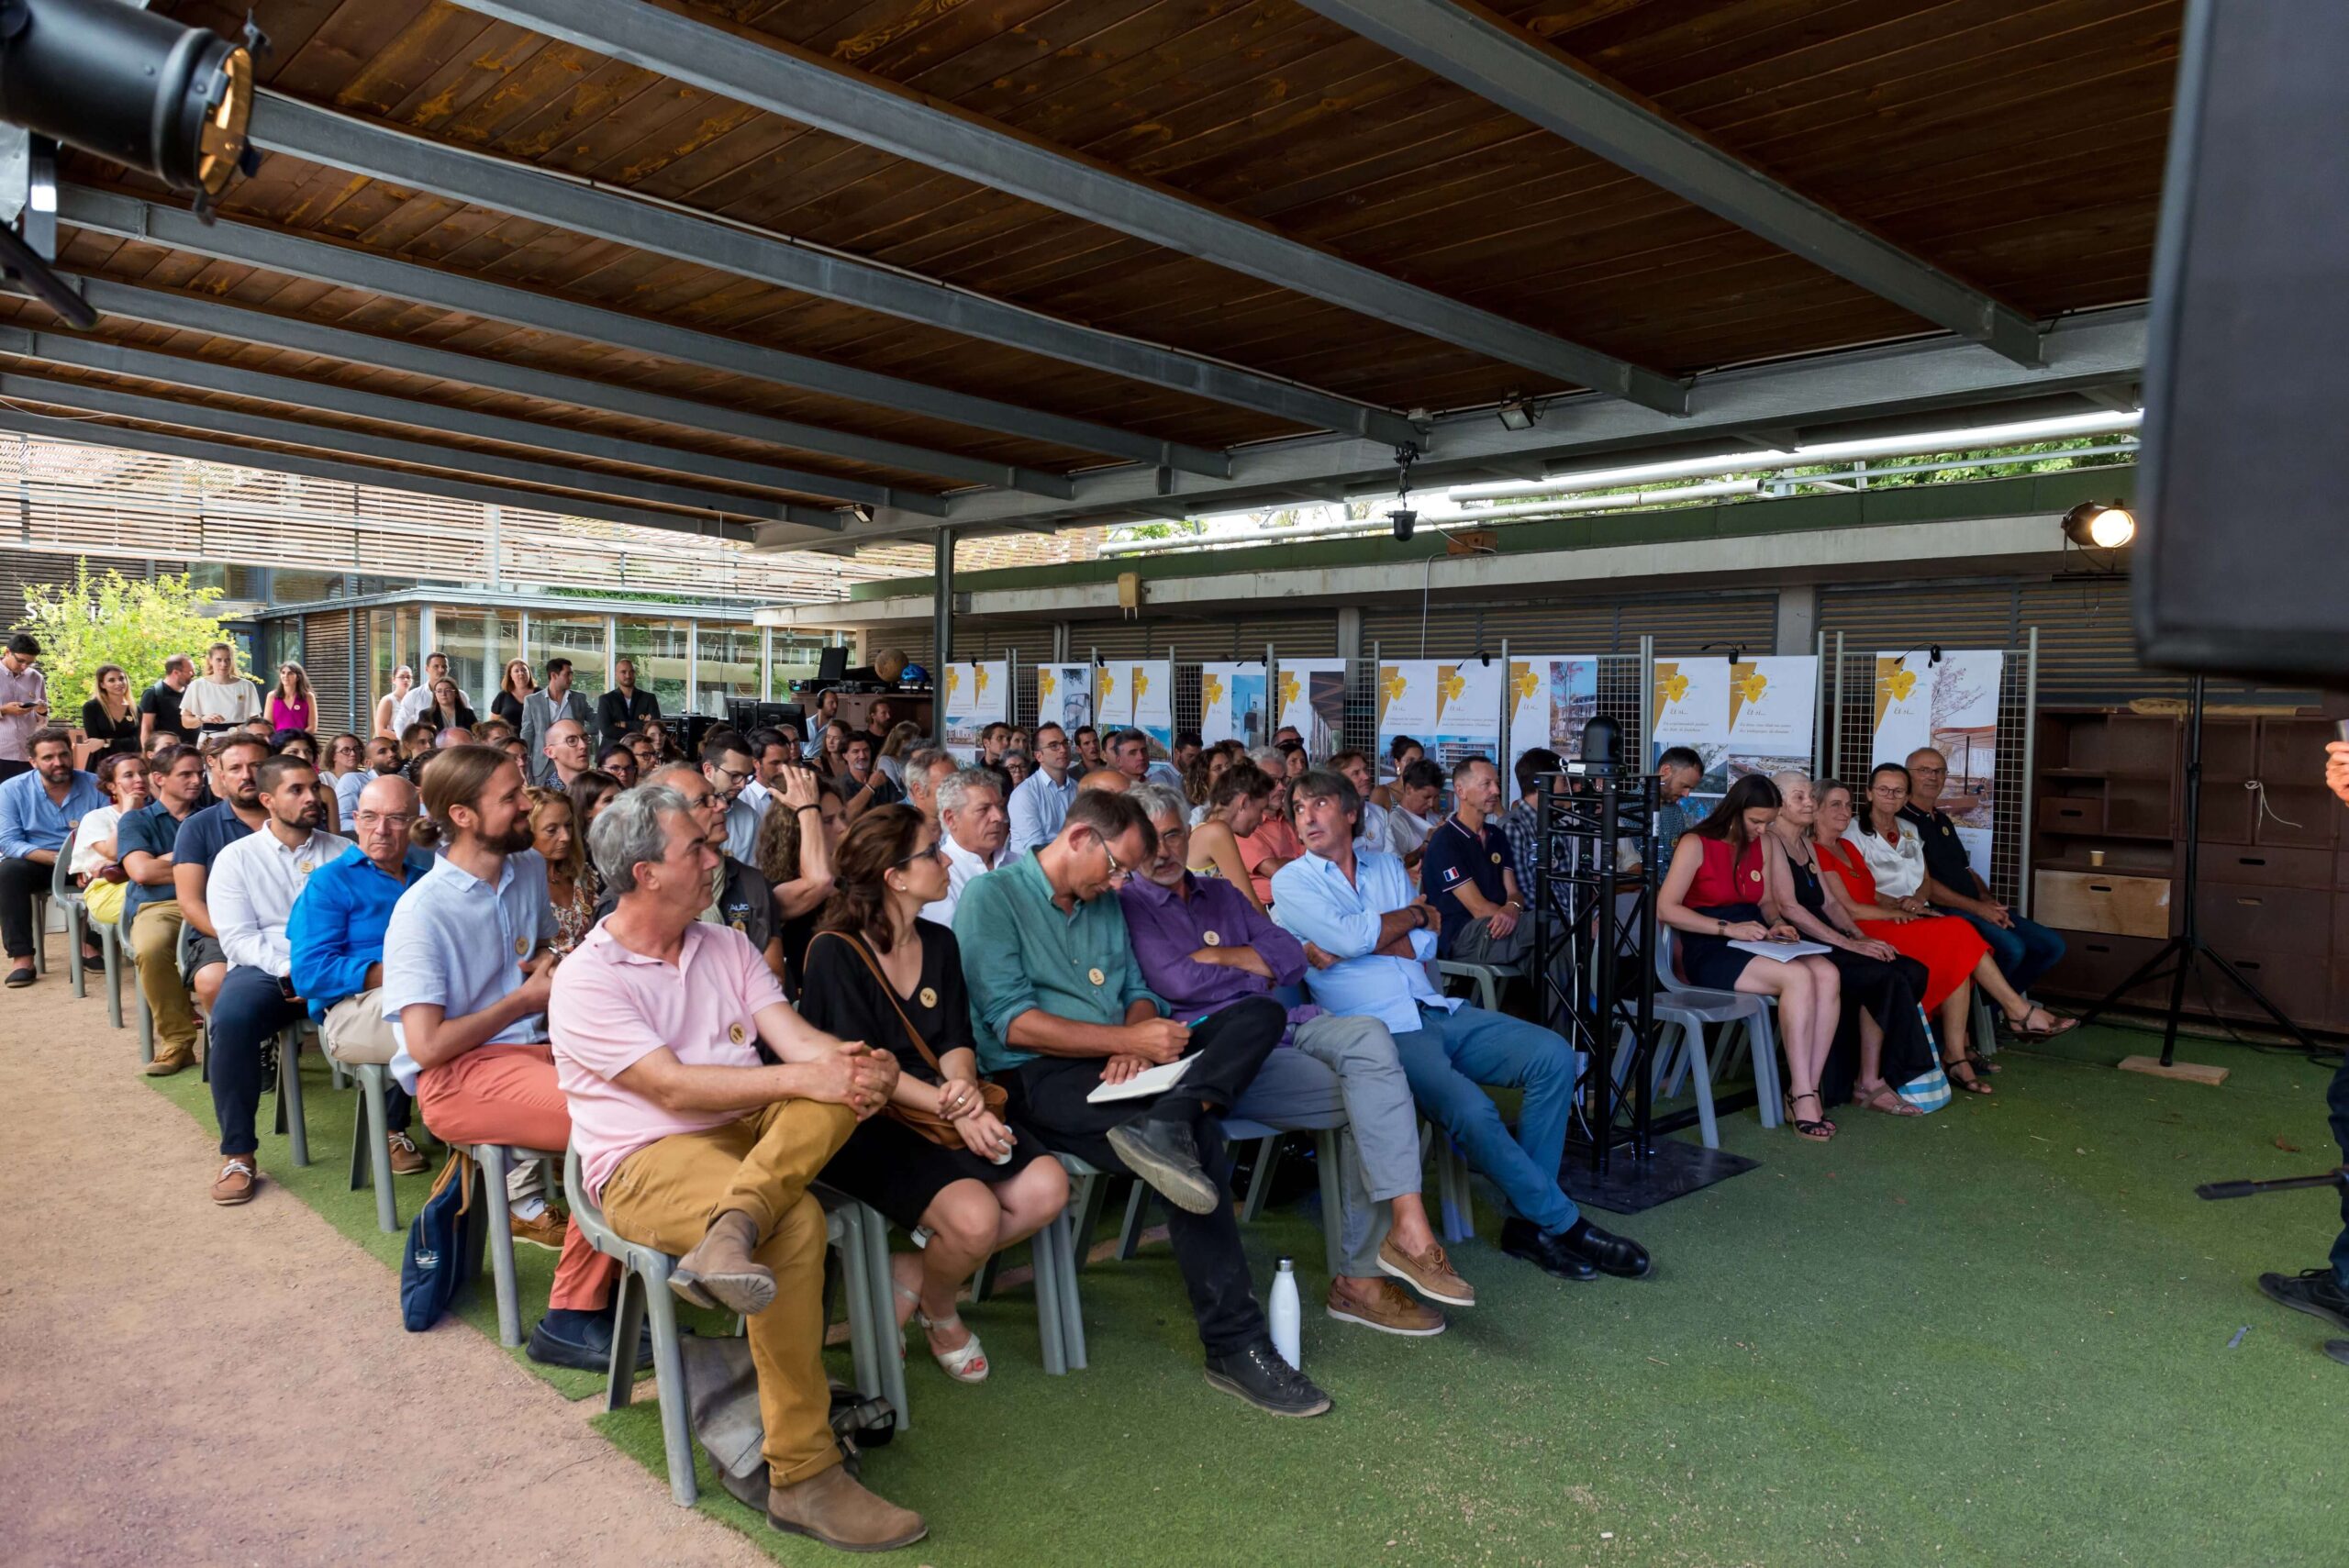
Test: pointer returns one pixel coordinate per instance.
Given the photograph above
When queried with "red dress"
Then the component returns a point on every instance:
(1945, 945)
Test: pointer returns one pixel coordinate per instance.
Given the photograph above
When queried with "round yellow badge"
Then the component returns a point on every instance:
(1754, 877)
(521, 947)
(1210, 939)
(928, 997)
(1095, 976)
(739, 923)
(1496, 856)
(736, 1034)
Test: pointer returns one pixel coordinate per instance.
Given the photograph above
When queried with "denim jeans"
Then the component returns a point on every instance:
(247, 1014)
(2023, 953)
(1451, 1058)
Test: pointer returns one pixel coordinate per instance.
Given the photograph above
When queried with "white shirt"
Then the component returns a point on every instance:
(418, 702)
(239, 699)
(758, 797)
(1373, 833)
(962, 865)
(251, 890)
(98, 824)
(1898, 869)
(1406, 832)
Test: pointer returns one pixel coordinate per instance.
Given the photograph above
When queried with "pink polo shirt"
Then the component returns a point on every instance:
(613, 1007)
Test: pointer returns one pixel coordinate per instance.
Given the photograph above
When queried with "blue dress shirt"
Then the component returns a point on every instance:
(30, 820)
(1314, 901)
(336, 930)
(1038, 807)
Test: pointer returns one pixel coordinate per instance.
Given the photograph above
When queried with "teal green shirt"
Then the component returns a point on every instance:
(1019, 951)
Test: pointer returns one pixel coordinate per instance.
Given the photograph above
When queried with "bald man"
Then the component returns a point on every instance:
(1109, 779)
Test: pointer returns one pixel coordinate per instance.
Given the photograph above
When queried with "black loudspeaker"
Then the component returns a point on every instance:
(2244, 554)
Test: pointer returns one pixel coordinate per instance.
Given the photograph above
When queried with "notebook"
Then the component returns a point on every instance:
(1148, 1081)
(1785, 952)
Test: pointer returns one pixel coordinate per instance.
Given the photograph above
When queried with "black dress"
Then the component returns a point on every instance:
(507, 707)
(1886, 992)
(118, 737)
(885, 1163)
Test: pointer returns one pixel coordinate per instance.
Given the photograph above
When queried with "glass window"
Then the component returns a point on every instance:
(726, 665)
(392, 637)
(579, 638)
(465, 637)
(658, 650)
(795, 658)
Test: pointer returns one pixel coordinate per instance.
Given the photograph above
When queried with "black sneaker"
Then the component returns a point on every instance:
(1610, 1253)
(2312, 1291)
(587, 1348)
(1546, 1250)
(1165, 1155)
(1258, 1374)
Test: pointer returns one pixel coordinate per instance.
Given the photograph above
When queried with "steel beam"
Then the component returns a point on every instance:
(61, 348)
(807, 87)
(386, 448)
(287, 125)
(1470, 47)
(350, 267)
(192, 313)
(81, 432)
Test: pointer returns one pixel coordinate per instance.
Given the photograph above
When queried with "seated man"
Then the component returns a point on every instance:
(1203, 946)
(465, 979)
(691, 1143)
(926, 768)
(145, 841)
(1059, 1010)
(1356, 912)
(739, 896)
(1040, 803)
(251, 892)
(2023, 949)
(1417, 791)
(1467, 870)
(39, 809)
(383, 757)
(973, 828)
(336, 937)
(564, 753)
(235, 759)
(1678, 772)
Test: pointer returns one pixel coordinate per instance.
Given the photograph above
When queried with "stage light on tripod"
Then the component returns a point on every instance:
(2099, 524)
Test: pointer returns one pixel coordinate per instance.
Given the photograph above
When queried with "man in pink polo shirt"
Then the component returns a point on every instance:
(657, 1017)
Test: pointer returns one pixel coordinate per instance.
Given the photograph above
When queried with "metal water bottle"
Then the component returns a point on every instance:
(1287, 1316)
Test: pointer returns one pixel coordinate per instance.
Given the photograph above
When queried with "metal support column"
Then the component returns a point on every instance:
(942, 611)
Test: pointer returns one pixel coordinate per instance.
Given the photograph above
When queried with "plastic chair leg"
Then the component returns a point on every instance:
(40, 933)
(1692, 1060)
(892, 1344)
(669, 1367)
(856, 1279)
(289, 1096)
(73, 937)
(628, 1324)
(371, 1152)
(1044, 1256)
(1061, 1239)
(1260, 1181)
(1091, 1192)
(1129, 1235)
(500, 1241)
(110, 949)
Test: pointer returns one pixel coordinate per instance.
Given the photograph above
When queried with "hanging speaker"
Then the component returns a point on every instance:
(2243, 556)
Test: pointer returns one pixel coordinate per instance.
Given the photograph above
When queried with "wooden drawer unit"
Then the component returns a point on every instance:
(2091, 901)
(2071, 814)
(2271, 868)
(2094, 963)
(2299, 985)
(2252, 918)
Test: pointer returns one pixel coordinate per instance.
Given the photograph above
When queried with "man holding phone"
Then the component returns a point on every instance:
(24, 704)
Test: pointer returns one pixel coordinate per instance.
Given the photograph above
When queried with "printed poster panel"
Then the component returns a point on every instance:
(1151, 682)
(1692, 710)
(1312, 700)
(1233, 704)
(1451, 710)
(1065, 696)
(1550, 700)
(978, 695)
(1113, 696)
(1951, 706)
(1772, 715)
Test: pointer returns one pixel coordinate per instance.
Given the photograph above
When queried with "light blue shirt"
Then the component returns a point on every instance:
(30, 820)
(742, 831)
(439, 947)
(1038, 808)
(346, 793)
(1313, 901)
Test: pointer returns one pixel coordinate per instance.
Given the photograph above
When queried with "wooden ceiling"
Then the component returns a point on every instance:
(2015, 145)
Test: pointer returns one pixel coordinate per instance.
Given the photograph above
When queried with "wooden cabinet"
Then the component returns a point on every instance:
(2099, 901)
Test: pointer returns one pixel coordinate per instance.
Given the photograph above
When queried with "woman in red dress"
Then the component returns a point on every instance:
(1956, 957)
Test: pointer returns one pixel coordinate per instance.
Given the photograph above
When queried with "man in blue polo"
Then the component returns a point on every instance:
(38, 813)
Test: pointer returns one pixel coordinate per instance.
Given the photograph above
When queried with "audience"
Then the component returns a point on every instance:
(543, 711)
(388, 707)
(1273, 843)
(1236, 808)
(152, 920)
(235, 759)
(1416, 796)
(24, 703)
(925, 768)
(110, 721)
(1469, 876)
(1016, 766)
(1202, 946)
(1712, 895)
(250, 895)
(447, 710)
(972, 831)
(161, 706)
(726, 767)
(469, 1015)
(739, 896)
(563, 753)
(335, 942)
(796, 855)
(897, 742)
(625, 706)
(590, 793)
(571, 885)
(1040, 803)
(426, 696)
(863, 788)
(2023, 948)
(1087, 742)
(1370, 832)
(1059, 1008)
(691, 1143)
(96, 866)
(38, 810)
(940, 1157)
(1367, 942)
(1108, 781)
(618, 759)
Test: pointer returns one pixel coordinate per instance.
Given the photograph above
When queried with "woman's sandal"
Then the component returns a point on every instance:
(1816, 1131)
(1874, 1100)
(1970, 1083)
(965, 1364)
(1980, 1063)
(2055, 1025)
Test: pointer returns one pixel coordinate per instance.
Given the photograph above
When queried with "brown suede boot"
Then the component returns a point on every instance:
(831, 1508)
(720, 1272)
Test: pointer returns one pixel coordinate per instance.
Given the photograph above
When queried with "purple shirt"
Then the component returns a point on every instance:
(1166, 930)
(16, 728)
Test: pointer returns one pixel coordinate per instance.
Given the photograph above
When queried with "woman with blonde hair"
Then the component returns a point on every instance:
(571, 879)
(220, 699)
(1236, 808)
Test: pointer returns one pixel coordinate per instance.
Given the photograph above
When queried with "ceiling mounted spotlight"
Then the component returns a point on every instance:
(1519, 412)
(1403, 517)
(1405, 520)
(2099, 524)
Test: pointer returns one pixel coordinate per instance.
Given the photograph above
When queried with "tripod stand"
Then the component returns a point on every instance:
(2187, 948)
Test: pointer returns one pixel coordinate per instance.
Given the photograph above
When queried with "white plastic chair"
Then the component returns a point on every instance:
(1694, 1006)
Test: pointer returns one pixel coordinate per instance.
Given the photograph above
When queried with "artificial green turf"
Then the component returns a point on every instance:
(1997, 1335)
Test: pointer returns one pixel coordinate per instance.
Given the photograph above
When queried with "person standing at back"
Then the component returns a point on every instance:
(160, 705)
(512, 692)
(421, 698)
(291, 705)
(24, 704)
(625, 707)
(220, 699)
(547, 707)
(109, 718)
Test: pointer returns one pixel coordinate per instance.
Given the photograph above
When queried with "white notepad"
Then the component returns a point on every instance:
(1785, 952)
(1148, 1081)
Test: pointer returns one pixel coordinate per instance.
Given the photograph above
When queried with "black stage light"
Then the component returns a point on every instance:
(1405, 520)
(2099, 524)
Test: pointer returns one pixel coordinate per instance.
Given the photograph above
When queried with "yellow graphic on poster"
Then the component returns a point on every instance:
(975, 699)
(1949, 703)
(1065, 696)
(1550, 700)
(1313, 702)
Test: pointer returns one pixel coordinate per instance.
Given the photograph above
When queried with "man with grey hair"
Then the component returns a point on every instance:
(1202, 946)
(924, 768)
(739, 896)
(692, 1143)
(973, 829)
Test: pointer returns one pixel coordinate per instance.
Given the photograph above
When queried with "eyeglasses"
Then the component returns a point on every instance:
(736, 774)
(936, 851)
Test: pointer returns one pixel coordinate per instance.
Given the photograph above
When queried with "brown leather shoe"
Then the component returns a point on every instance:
(407, 1160)
(545, 1230)
(1430, 1272)
(720, 1271)
(1384, 1306)
(832, 1508)
(239, 1174)
(168, 1063)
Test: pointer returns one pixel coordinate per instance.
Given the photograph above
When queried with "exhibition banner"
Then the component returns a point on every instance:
(1451, 710)
(978, 695)
(1950, 704)
(1065, 696)
(1550, 700)
(1691, 710)
(1138, 693)
(1312, 700)
(1233, 704)
(1772, 715)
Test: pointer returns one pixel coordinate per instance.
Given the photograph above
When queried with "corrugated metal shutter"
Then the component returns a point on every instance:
(980, 639)
(1121, 638)
(1686, 625)
(1893, 620)
(326, 648)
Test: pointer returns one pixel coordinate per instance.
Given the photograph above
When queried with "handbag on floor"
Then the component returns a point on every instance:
(722, 1407)
(444, 1243)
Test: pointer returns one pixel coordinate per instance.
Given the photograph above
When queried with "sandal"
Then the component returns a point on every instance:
(1874, 1100)
(1970, 1083)
(1980, 1063)
(1816, 1131)
(967, 1362)
(2055, 1025)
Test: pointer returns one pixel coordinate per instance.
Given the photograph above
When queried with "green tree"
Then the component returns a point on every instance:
(114, 619)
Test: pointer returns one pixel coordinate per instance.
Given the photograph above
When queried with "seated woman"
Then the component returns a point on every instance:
(571, 880)
(796, 836)
(937, 1157)
(1206, 768)
(1273, 845)
(1956, 957)
(1236, 808)
(1712, 895)
(97, 865)
(590, 793)
(1880, 986)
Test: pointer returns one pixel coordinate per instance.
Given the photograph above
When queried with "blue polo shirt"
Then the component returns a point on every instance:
(455, 939)
(153, 829)
(205, 833)
(1454, 858)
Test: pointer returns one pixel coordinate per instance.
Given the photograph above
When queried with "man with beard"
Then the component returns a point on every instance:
(147, 840)
(252, 890)
(38, 810)
(236, 759)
